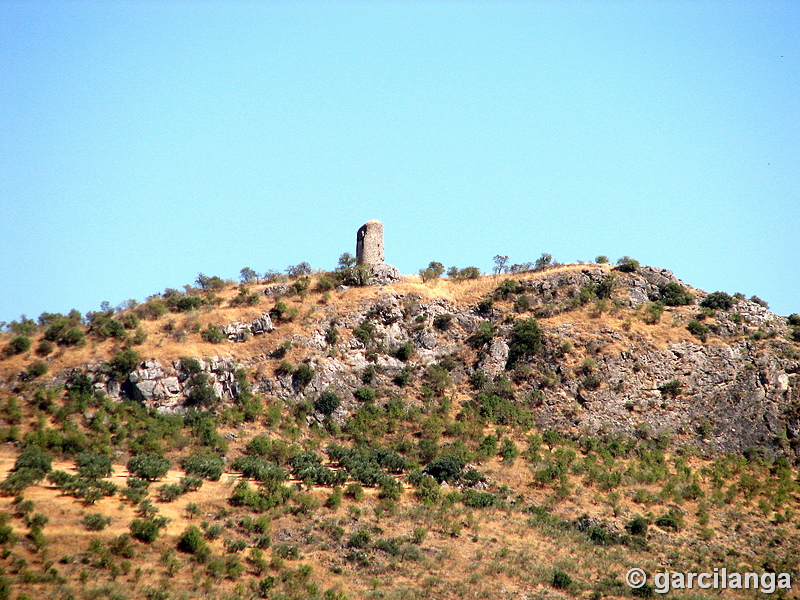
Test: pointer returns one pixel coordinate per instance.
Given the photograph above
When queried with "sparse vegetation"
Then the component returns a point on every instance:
(330, 470)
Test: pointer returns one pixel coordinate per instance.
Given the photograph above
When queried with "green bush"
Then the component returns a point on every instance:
(697, 329)
(717, 301)
(561, 580)
(671, 388)
(36, 369)
(653, 312)
(673, 520)
(45, 348)
(793, 320)
(402, 378)
(212, 334)
(103, 325)
(327, 402)
(302, 376)
(525, 341)
(74, 337)
(169, 492)
(434, 270)
(207, 466)
(475, 499)
(404, 352)
(627, 265)
(191, 541)
(674, 294)
(93, 465)
(184, 303)
(637, 526)
(18, 344)
(364, 394)
(359, 539)
(364, 332)
(443, 322)
(147, 530)
(95, 522)
(148, 466)
(447, 467)
(123, 364)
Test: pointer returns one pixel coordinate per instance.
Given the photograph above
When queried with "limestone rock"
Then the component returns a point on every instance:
(383, 274)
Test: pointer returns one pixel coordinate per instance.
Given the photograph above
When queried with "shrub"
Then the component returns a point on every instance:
(146, 530)
(169, 492)
(544, 261)
(637, 526)
(485, 306)
(123, 364)
(671, 388)
(364, 394)
(508, 450)
(212, 334)
(717, 301)
(18, 344)
(447, 467)
(36, 369)
(185, 303)
(404, 352)
(191, 541)
(525, 341)
(670, 520)
(95, 522)
(509, 287)
(475, 499)
(364, 332)
(434, 270)
(601, 260)
(360, 539)
(443, 322)
(302, 376)
(247, 275)
(207, 466)
(465, 273)
(74, 337)
(148, 466)
(793, 320)
(653, 312)
(327, 402)
(402, 378)
(45, 347)
(697, 329)
(93, 465)
(627, 265)
(674, 294)
(561, 580)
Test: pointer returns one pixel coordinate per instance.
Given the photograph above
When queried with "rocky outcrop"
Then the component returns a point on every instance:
(241, 332)
(166, 389)
(383, 274)
(738, 391)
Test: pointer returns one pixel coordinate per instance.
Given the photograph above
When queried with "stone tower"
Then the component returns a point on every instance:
(369, 243)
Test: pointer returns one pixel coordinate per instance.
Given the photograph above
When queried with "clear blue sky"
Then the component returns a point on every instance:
(144, 142)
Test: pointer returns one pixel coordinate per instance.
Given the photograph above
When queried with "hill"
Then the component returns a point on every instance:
(526, 435)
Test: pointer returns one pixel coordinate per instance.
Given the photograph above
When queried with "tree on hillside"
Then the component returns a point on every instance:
(500, 264)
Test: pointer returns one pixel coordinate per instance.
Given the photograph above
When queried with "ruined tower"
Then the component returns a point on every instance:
(369, 243)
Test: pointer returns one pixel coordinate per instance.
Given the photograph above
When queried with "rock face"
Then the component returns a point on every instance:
(241, 332)
(739, 390)
(383, 274)
(166, 389)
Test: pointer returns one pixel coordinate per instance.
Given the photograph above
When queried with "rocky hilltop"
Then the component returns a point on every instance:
(533, 434)
(611, 356)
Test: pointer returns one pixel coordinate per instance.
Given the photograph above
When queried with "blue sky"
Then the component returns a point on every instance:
(144, 142)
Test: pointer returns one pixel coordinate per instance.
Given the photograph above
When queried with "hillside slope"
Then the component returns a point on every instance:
(530, 435)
